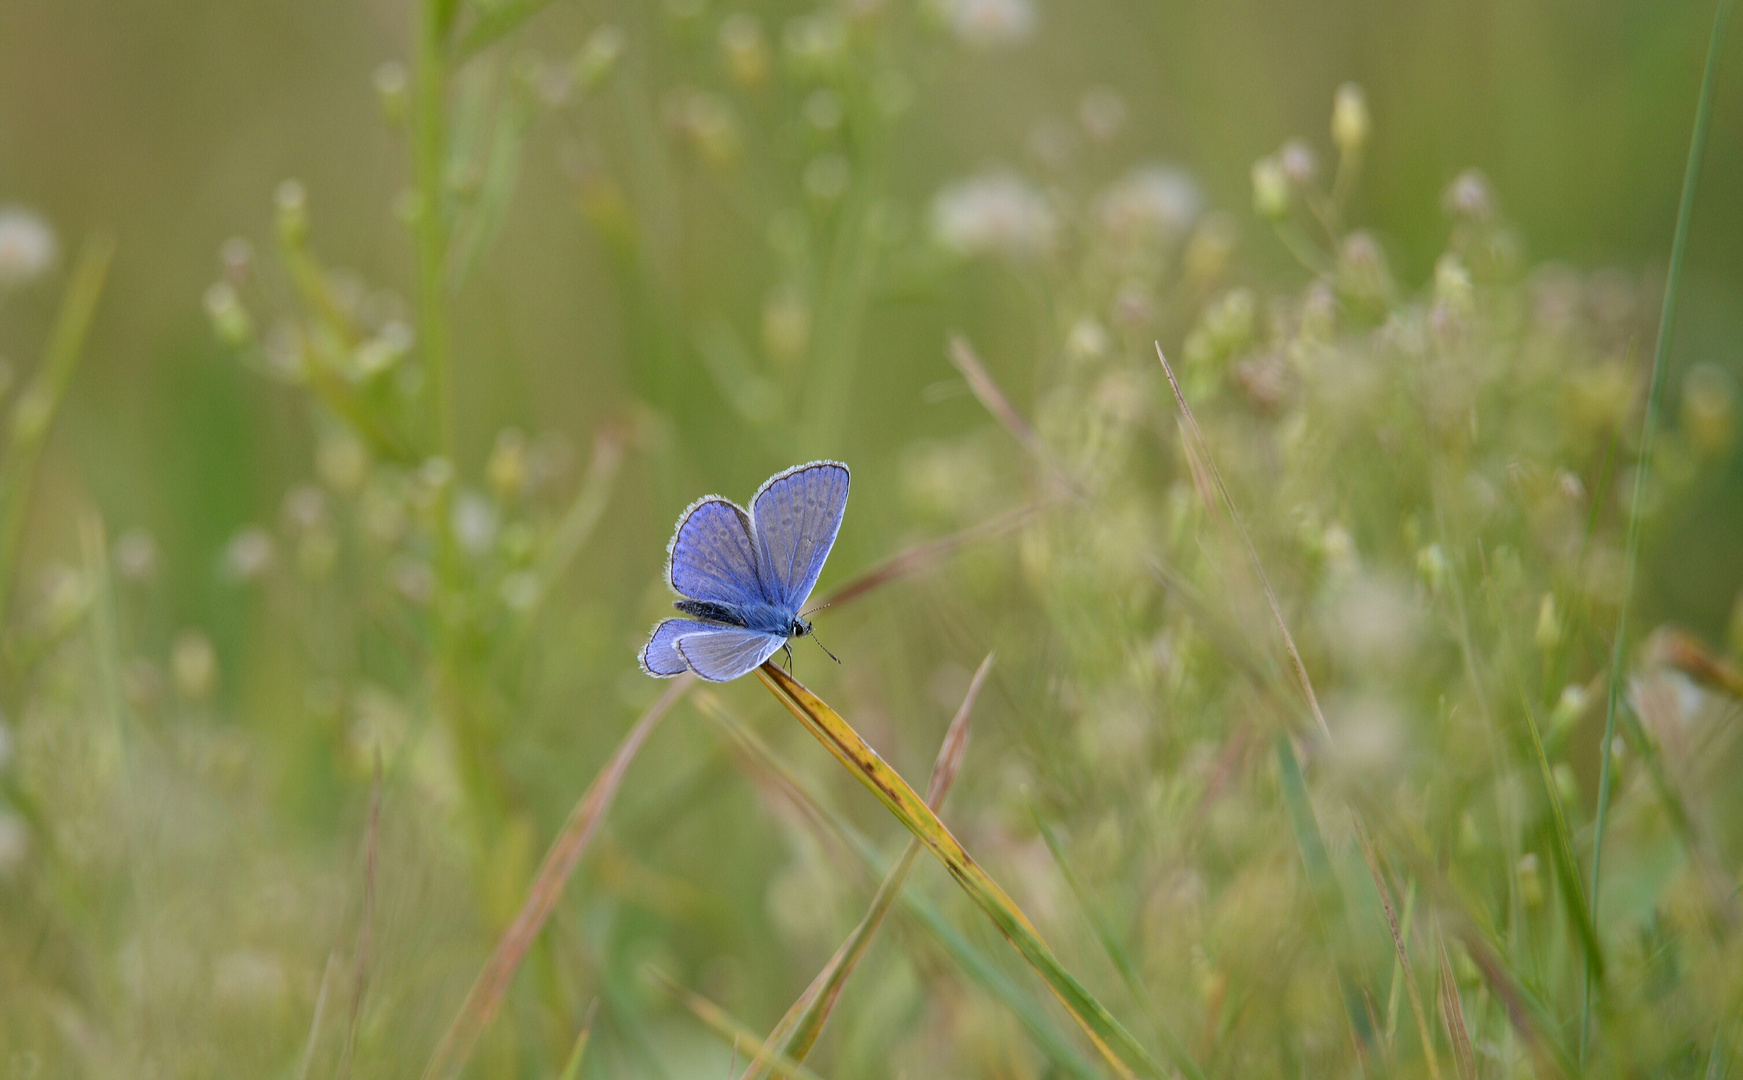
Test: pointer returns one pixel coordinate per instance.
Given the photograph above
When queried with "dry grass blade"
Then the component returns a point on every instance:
(1452, 1013)
(360, 961)
(307, 1061)
(803, 1023)
(1679, 649)
(565, 851)
(1406, 972)
(1202, 452)
(730, 1031)
(912, 560)
(1122, 1052)
(987, 392)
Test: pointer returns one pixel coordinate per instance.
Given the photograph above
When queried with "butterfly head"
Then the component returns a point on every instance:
(800, 627)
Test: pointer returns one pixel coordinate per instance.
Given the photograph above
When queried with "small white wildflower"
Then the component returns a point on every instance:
(1150, 202)
(475, 522)
(136, 555)
(993, 214)
(27, 246)
(990, 24)
(1102, 112)
(248, 554)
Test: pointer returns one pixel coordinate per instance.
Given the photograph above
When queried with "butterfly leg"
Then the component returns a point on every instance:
(788, 649)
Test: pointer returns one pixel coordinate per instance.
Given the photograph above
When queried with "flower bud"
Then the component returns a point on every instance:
(1300, 163)
(1270, 189)
(230, 319)
(392, 91)
(744, 50)
(1349, 118)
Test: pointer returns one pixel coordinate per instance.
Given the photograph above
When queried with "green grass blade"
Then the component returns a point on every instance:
(730, 1030)
(572, 1067)
(1110, 943)
(1328, 894)
(1631, 558)
(1116, 1044)
(979, 967)
(800, 1028)
(565, 852)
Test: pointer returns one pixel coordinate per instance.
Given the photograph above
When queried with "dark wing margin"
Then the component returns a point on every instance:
(660, 656)
(797, 514)
(723, 653)
(713, 556)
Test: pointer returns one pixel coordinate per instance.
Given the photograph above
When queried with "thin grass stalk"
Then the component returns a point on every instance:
(361, 960)
(565, 852)
(34, 412)
(1122, 1052)
(1452, 1014)
(987, 392)
(730, 1029)
(430, 227)
(1197, 435)
(1171, 1044)
(830, 825)
(800, 1028)
(1404, 973)
(912, 560)
(1655, 386)
(307, 1061)
(572, 1067)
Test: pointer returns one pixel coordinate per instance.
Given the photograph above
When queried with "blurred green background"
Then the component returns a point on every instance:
(662, 224)
(169, 125)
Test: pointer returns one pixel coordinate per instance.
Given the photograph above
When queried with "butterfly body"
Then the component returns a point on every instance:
(743, 576)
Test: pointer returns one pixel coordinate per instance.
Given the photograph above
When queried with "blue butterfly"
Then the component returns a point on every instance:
(745, 576)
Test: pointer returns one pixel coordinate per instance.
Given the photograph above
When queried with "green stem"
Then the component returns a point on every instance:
(430, 229)
(1666, 319)
(34, 412)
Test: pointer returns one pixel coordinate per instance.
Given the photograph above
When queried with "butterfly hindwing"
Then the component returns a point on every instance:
(713, 554)
(660, 656)
(723, 653)
(796, 516)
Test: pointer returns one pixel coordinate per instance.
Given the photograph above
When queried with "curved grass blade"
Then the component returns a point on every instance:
(730, 1030)
(1171, 1044)
(799, 1029)
(1631, 558)
(566, 850)
(1452, 1012)
(572, 1067)
(980, 968)
(1113, 1041)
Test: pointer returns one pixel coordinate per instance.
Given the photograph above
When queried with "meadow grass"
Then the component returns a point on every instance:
(1318, 690)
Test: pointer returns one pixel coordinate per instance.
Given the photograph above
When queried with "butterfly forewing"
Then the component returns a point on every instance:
(797, 514)
(723, 653)
(713, 556)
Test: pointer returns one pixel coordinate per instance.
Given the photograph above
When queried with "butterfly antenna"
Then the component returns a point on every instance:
(819, 607)
(825, 648)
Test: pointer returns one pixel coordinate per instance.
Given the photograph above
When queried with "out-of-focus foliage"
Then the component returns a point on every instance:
(320, 614)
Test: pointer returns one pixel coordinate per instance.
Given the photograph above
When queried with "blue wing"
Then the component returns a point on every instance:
(660, 656)
(723, 653)
(797, 514)
(713, 555)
